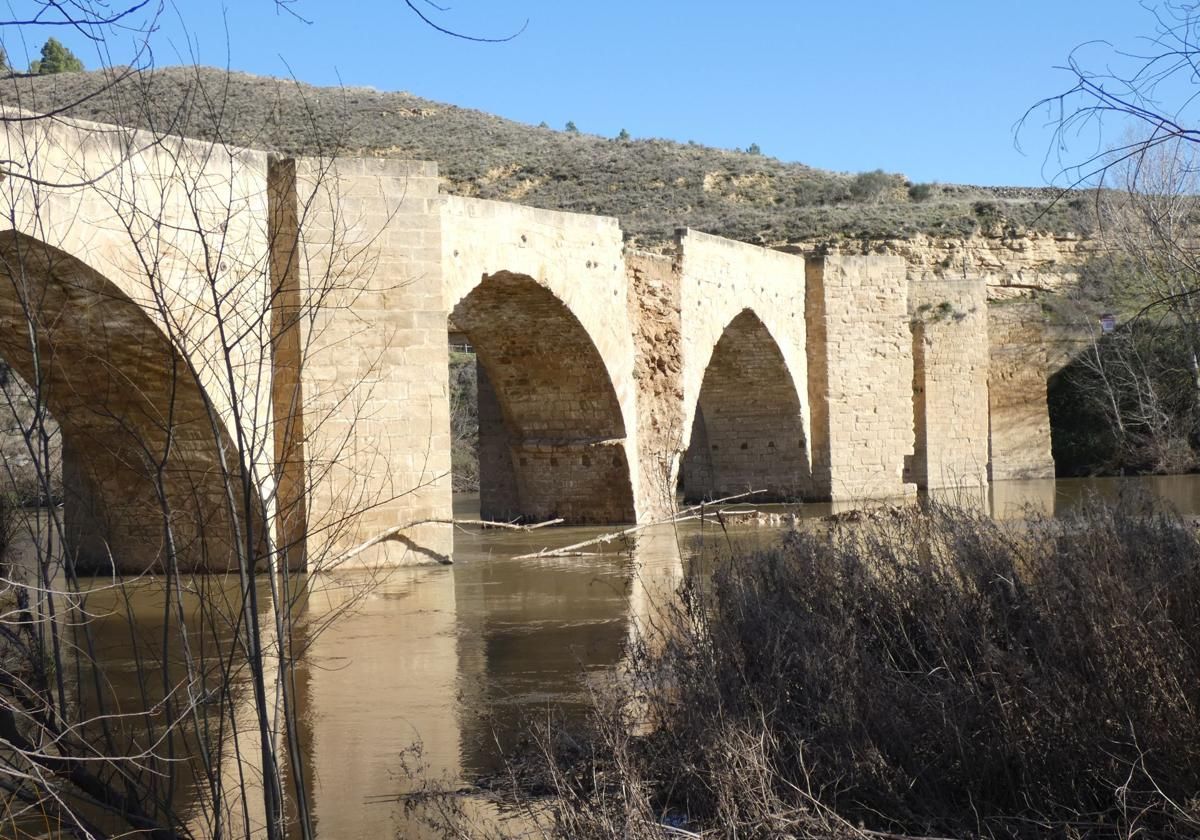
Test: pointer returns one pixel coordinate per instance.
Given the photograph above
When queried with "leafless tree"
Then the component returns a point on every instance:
(1125, 99)
(191, 727)
(213, 691)
(1128, 129)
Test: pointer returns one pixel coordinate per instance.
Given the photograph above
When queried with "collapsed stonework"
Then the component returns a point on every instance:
(610, 379)
(1009, 263)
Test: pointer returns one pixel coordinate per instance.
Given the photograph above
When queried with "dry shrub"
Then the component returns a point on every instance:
(914, 672)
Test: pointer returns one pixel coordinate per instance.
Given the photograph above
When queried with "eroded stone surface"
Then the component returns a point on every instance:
(655, 311)
(1020, 420)
(949, 322)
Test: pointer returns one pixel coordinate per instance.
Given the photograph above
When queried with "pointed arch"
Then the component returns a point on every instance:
(139, 445)
(563, 437)
(747, 430)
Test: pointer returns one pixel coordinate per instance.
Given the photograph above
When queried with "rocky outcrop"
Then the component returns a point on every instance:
(1011, 264)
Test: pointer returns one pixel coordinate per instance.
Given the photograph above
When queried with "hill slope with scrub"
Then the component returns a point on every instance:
(651, 185)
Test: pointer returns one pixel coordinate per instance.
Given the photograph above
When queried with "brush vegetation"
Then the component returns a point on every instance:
(653, 186)
(917, 672)
(464, 422)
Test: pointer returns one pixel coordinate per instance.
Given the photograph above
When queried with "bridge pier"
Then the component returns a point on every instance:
(860, 376)
(371, 387)
(499, 498)
(1019, 441)
(949, 319)
(655, 316)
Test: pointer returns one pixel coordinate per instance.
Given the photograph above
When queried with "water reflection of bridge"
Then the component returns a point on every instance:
(459, 659)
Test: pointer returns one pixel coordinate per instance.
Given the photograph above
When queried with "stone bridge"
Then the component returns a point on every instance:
(254, 348)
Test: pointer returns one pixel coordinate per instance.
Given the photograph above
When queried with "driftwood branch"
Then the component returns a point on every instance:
(510, 526)
(396, 533)
(688, 513)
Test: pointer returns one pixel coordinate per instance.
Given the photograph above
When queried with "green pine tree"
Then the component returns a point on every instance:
(56, 59)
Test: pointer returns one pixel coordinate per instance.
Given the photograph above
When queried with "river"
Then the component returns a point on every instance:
(454, 659)
(458, 656)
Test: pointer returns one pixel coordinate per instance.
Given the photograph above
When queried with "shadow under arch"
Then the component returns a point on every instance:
(552, 436)
(748, 428)
(140, 450)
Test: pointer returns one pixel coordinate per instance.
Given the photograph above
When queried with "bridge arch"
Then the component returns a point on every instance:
(558, 447)
(139, 444)
(747, 427)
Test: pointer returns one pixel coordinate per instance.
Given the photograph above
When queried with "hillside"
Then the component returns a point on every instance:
(652, 186)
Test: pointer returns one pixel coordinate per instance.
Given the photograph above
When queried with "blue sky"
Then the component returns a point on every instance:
(931, 89)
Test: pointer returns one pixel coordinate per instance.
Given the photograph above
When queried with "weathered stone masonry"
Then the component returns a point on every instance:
(861, 376)
(948, 318)
(1020, 424)
(609, 379)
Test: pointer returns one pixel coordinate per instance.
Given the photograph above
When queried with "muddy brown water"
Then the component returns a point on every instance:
(455, 659)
